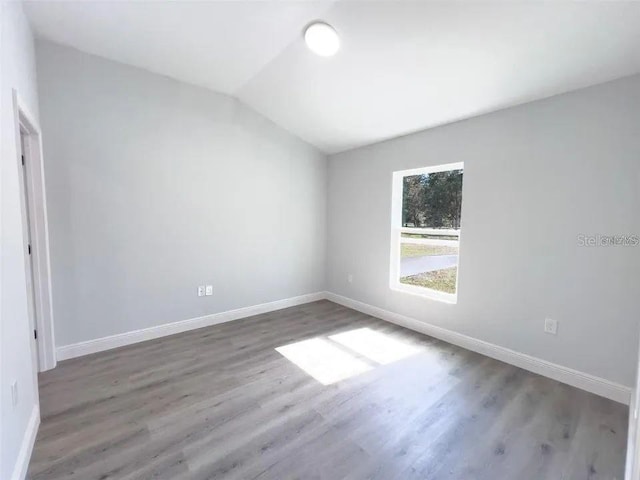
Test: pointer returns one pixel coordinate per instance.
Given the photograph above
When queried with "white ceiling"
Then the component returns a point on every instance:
(403, 66)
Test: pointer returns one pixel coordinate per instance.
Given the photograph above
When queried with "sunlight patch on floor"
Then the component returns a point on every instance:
(344, 355)
(323, 360)
(376, 346)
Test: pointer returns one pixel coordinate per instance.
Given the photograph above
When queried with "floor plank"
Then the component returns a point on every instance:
(222, 403)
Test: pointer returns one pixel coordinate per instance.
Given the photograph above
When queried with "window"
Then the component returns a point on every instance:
(425, 231)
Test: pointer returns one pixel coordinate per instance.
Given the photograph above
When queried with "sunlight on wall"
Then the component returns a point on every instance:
(344, 355)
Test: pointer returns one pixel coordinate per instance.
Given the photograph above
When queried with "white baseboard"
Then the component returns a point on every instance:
(584, 381)
(120, 340)
(28, 441)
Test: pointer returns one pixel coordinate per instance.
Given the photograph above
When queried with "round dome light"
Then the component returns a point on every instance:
(322, 39)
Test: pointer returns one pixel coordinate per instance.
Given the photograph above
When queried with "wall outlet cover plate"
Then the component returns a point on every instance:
(550, 326)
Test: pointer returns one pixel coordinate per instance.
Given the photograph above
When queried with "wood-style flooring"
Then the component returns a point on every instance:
(222, 403)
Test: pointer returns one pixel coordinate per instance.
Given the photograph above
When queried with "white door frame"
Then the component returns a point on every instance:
(39, 228)
(632, 470)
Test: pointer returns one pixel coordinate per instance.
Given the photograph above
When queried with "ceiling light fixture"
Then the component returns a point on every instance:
(322, 39)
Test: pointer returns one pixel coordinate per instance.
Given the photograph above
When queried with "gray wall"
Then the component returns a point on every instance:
(536, 176)
(17, 64)
(146, 195)
(155, 187)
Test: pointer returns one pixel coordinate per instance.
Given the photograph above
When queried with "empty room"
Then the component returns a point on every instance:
(313, 239)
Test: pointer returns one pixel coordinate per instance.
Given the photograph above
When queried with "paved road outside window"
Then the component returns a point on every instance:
(415, 265)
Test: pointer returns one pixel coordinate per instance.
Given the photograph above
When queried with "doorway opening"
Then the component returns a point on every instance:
(35, 235)
(27, 235)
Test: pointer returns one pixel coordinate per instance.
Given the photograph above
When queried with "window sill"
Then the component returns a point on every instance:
(451, 298)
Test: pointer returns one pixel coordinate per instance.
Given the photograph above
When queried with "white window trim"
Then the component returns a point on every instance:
(397, 230)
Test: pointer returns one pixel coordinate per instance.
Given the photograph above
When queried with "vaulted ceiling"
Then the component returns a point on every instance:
(403, 65)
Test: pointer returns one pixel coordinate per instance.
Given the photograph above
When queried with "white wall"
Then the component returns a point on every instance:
(536, 176)
(18, 72)
(155, 187)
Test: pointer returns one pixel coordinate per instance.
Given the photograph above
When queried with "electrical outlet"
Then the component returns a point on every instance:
(209, 290)
(550, 326)
(201, 291)
(14, 393)
(350, 278)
